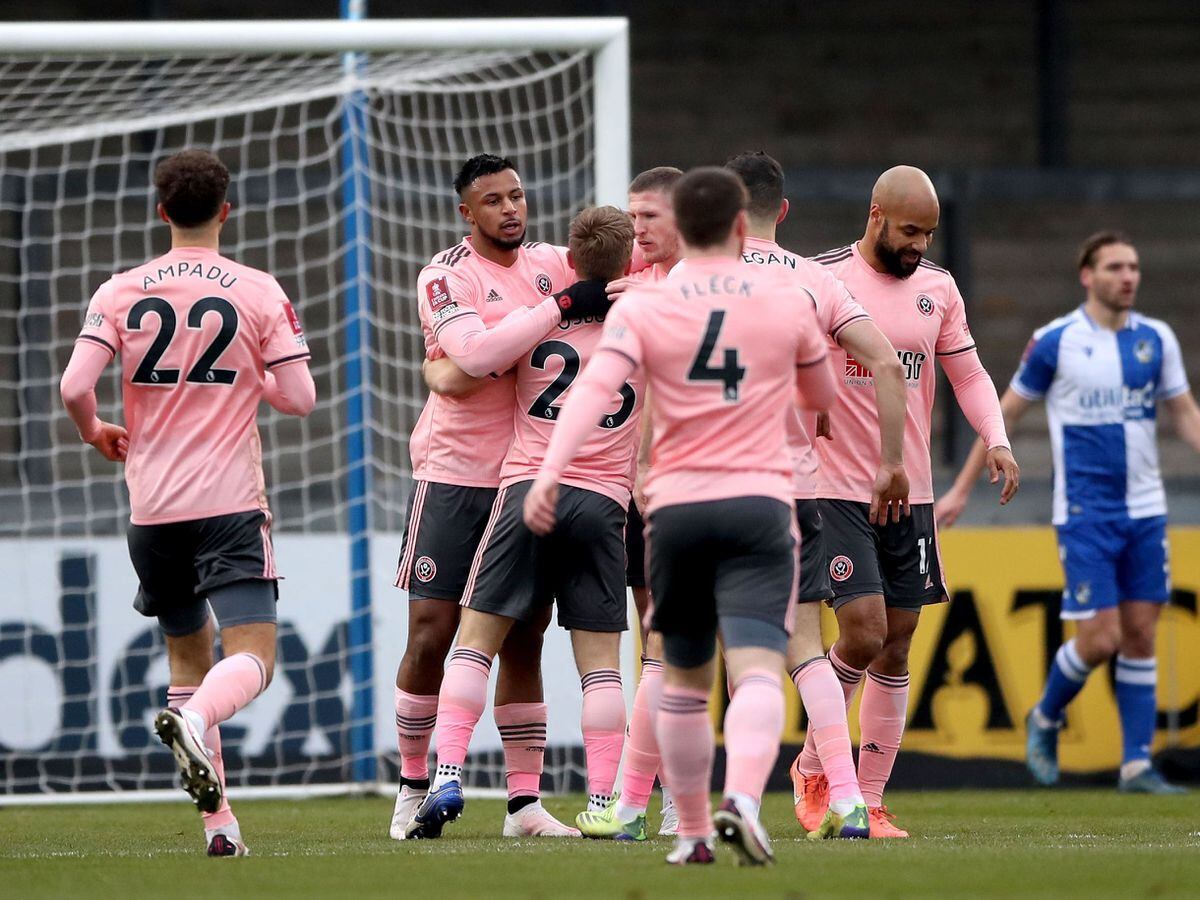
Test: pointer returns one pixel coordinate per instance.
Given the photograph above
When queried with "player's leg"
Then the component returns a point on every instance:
(820, 690)
(1142, 572)
(755, 587)
(682, 571)
(597, 659)
(1088, 552)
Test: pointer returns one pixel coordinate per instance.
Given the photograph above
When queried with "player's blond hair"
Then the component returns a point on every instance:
(601, 242)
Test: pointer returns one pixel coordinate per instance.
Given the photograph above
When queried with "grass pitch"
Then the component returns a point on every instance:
(965, 844)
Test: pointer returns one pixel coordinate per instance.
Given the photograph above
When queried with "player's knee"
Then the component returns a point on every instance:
(862, 646)
(892, 658)
(1138, 643)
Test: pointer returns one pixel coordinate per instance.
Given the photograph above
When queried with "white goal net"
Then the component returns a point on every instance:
(342, 139)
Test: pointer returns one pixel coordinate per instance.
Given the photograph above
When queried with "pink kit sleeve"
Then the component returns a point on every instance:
(78, 386)
(290, 389)
(845, 308)
(282, 340)
(954, 336)
(814, 379)
(976, 396)
(479, 350)
(99, 324)
(615, 359)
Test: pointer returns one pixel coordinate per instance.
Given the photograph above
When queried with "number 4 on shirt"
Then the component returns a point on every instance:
(730, 374)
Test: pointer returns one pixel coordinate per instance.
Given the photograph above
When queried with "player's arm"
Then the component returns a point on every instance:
(951, 504)
(444, 377)
(78, 389)
(290, 388)
(643, 456)
(863, 340)
(1185, 415)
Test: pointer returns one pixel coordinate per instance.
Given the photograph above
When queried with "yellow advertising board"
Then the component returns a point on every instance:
(978, 663)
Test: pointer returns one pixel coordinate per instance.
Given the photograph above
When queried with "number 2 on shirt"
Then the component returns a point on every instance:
(200, 373)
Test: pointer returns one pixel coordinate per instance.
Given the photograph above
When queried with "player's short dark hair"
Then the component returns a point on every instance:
(477, 167)
(191, 186)
(707, 201)
(763, 177)
(1094, 244)
(661, 179)
(601, 242)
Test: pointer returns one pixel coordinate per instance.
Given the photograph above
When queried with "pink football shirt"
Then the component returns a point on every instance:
(719, 342)
(196, 333)
(463, 440)
(835, 309)
(923, 316)
(606, 461)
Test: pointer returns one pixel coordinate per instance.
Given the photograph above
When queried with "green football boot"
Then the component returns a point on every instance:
(604, 825)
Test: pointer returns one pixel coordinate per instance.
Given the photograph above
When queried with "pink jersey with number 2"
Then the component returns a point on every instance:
(924, 317)
(463, 440)
(196, 333)
(719, 342)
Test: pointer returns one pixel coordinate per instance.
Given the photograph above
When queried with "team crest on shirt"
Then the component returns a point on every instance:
(1143, 352)
(840, 568)
(543, 284)
(425, 569)
(925, 305)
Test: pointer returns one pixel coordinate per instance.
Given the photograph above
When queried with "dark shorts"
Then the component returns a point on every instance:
(580, 566)
(899, 560)
(179, 564)
(635, 548)
(721, 558)
(441, 534)
(814, 565)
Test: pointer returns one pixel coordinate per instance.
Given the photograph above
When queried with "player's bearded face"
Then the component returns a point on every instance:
(496, 208)
(1115, 277)
(901, 253)
(654, 226)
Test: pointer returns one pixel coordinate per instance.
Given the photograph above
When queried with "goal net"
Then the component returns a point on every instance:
(342, 139)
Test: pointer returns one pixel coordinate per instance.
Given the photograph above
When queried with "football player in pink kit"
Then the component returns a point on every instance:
(580, 566)
(724, 348)
(201, 340)
(842, 812)
(883, 574)
(483, 303)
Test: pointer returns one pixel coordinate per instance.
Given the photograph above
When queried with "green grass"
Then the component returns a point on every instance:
(965, 844)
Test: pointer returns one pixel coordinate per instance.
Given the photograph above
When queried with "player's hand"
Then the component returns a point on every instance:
(639, 490)
(619, 286)
(824, 426)
(949, 507)
(889, 495)
(112, 441)
(1000, 461)
(541, 505)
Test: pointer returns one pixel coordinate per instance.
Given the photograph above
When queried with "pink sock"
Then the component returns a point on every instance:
(460, 704)
(822, 696)
(850, 678)
(416, 714)
(753, 726)
(523, 732)
(642, 759)
(229, 685)
(176, 696)
(881, 718)
(685, 738)
(603, 725)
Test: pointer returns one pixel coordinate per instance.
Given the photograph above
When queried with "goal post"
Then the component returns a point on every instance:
(342, 138)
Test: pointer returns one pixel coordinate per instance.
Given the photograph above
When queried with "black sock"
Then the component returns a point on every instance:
(420, 784)
(518, 803)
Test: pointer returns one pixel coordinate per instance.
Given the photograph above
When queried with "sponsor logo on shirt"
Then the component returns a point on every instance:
(425, 569)
(840, 568)
(445, 312)
(543, 284)
(913, 362)
(94, 320)
(1136, 402)
(438, 293)
(925, 305)
(493, 297)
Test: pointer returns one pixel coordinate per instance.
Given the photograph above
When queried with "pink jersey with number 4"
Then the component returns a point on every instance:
(196, 333)
(605, 462)
(924, 317)
(835, 309)
(720, 343)
(462, 440)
